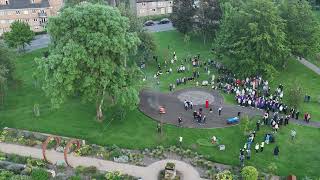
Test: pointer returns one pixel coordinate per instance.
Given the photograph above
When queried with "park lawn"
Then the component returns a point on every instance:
(137, 131)
(295, 72)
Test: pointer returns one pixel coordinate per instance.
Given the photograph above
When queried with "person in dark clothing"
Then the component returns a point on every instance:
(219, 111)
(258, 125)
(195, 114)
(276, 151)
(292, 112)
(239, 113)
(286, 120)
(281, 121)
(297, 114)
(159, 128)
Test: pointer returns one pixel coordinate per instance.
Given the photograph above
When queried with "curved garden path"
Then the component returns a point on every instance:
(146, 173)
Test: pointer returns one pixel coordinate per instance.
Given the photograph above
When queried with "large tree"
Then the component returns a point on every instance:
(303, 30)
(6, 69)
(6, 60)
(91, 43)
(19, 36)
(183, 12)
(252, 38)
(208, 15)
(147, 47)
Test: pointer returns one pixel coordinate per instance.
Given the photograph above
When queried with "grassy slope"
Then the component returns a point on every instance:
(75, 119)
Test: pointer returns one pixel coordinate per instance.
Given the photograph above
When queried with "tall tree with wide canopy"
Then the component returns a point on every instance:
(207, 18)
(147, 47)
(19, 36)
(91, 43)
(303, 30)
(182, 15)
(252, 38)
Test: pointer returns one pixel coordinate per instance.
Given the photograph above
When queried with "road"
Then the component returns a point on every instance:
(42, 41)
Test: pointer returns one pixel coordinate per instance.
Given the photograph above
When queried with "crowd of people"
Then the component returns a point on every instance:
(254, 92)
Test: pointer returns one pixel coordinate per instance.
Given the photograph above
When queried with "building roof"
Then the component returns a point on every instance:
(140, 1)
(24, 4)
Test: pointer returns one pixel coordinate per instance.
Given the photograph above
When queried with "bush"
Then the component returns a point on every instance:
(86, 170)
(16, 159)
(113, 175)
(39, 174)
(84, 151)
(75, 178)
(224, 175)
(20, 177)
(36, 163)
(249, 173)
(4, 175)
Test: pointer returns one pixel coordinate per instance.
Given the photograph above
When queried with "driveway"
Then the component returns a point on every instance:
(160, 27)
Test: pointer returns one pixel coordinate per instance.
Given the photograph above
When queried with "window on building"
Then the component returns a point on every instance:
(35, 20)
(17, 12)
(33, 11)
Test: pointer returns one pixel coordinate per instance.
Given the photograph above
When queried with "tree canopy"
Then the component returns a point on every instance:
(303, 30)
(19, 35)
(252, 38)
(6, 69)
(147, 47)
(207, 18)
(88, 58)
(182, 15)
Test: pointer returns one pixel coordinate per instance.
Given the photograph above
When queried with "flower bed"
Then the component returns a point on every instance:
(114, 153)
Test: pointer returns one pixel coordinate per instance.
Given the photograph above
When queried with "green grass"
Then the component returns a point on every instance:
(308, 80)
(76, 119)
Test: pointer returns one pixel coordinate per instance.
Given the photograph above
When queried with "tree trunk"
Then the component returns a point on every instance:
(99, 108)
(113, 3)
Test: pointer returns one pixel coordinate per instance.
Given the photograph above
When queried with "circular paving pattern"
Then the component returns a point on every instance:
(151, 101)
(197, 97)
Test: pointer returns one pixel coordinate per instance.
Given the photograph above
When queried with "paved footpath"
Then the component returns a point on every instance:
(146, 173)
(309, 65)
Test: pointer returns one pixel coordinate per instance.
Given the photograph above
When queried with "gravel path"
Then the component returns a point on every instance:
(146, 173)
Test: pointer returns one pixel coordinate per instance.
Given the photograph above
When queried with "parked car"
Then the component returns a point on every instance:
(164, 21)
(149, 23)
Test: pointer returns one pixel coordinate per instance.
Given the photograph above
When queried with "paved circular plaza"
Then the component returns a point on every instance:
(150, 101)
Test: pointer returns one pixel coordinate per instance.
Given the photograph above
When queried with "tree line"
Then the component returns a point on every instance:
(259, 34)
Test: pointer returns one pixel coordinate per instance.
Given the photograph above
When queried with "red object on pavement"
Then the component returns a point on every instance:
(207, 103)
(162, 110)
